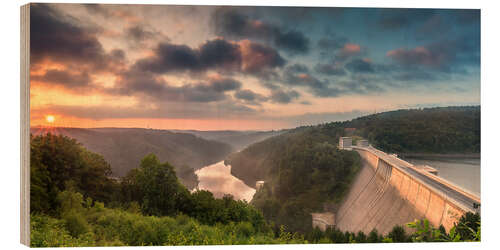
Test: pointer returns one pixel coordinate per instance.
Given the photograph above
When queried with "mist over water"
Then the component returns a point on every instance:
(217, 179)
(465, 173)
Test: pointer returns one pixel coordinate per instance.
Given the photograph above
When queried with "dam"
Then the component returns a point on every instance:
(389, 191)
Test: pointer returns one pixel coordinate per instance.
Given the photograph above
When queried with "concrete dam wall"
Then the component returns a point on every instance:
(383, 196)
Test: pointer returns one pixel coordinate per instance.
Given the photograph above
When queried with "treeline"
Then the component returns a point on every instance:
(65, 175)
(302, 170)
(428, 130)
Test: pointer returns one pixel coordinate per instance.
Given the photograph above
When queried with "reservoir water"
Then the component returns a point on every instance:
(217, 179)
(464, 172)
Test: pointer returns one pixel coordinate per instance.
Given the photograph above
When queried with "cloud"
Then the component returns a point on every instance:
(151, 86)
(282, 96)
(331, 43)
(139, 33)
(349, 50)
(171, 57)
(249, 96)
(244, 56)
(442, 55)
(64, 78)
(332, 69)
(111, 11)
(298, 75)
(232, 23)
(293, 41)
(57, 37)
(418, 55)
(360, 66)
(258, 58)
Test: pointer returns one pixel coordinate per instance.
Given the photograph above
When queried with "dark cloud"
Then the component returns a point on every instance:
(293, 41)
(245, 56)
(57, 37)
(220, 52)
(139, 33)
(229, 21)
(297, 68)
(248, 95)
(233, 23)
(282, 96)
(150, 86)
(412, 75)
(171, 57)
(64, 78)
(333, 69)
(360, 66)
(331, 43)
(96, 9)
(227, 84)
(296, 75)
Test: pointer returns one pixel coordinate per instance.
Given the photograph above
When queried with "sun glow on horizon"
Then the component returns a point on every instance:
(50, 118)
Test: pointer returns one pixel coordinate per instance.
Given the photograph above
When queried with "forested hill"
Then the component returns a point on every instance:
(237, 139)
(303, 168)
(430, 130)
(124, 148)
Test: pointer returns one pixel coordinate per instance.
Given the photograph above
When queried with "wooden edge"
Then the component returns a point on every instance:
(25, 124)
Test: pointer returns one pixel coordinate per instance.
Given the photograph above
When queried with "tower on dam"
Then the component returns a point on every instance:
(345, 143)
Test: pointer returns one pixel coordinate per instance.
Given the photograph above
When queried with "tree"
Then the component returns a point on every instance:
(155, 187)
(398, 234)
(58, 160)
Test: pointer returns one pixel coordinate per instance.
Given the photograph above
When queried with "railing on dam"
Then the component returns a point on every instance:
(465, 199)
(390, 191)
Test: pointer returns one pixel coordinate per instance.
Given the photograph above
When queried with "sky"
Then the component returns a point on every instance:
(245, 68)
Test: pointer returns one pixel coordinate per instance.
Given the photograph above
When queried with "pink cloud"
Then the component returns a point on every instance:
(349, 49)
(418, 55)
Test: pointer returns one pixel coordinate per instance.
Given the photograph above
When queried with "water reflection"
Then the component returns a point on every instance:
(217, 179)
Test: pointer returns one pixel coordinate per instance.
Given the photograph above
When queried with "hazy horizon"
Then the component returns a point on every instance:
(239, 130)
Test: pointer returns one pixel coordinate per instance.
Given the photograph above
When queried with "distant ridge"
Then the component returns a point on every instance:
(123, 148)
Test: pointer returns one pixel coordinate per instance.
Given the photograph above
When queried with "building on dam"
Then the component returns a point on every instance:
(345, 143)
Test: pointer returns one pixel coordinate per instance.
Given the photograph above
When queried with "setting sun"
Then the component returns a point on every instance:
(50, 118)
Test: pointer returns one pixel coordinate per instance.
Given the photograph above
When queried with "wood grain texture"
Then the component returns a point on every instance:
(25, 124)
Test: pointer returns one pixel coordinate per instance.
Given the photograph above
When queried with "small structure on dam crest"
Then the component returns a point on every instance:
(323, 220)
(362, 143)
(259, 185)
(345, 143)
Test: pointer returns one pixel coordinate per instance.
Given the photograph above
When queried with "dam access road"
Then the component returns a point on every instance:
(389, 191)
